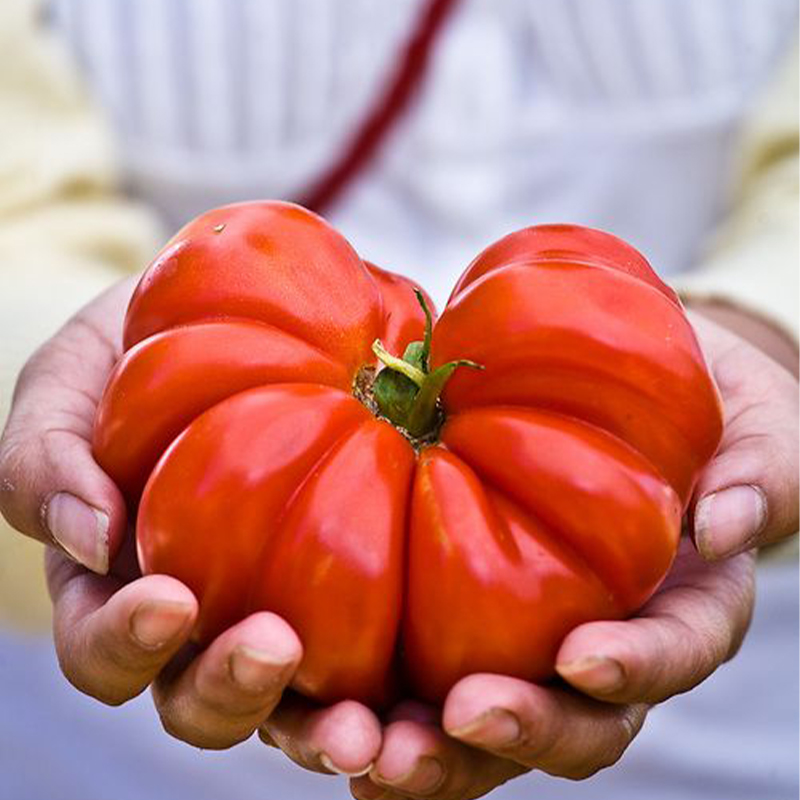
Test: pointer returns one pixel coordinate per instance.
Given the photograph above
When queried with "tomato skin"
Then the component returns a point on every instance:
(553, 495)
(269, 261)
(590, 342)
(571, 243)
(571, 477)
(477, 569)
(184, 352)
(210, 505)
(342, 544)
(505, 520)
(161, 384)
(247, 508)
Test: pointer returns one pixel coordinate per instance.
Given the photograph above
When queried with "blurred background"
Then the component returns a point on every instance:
(672, 123)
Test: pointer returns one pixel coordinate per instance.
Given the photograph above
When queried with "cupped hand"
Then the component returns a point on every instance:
(493, 728)
(116, 633)
(747, 497)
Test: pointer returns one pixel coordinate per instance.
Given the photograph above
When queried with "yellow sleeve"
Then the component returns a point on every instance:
(752, 260)
(66, 233)
(58, 185)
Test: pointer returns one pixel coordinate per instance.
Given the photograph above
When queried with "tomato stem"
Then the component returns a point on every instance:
(424, 409)
(406, 391)
(411, 372)
(425, 350)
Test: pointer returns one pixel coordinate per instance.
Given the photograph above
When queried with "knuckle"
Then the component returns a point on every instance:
(609, 746)
(94, 685)
(9, 457)
(29, 460)
(180, 720)
(706, 653)
(30, 368)
(623, 732)
(175, 725)
(527, 750)
(13, 453)
(579, 773)
(109, 689)
(703, 647)
(110, 669)
(113, 699)
(743, 602)
(738, 636)
(609, 756)
(630, 721)
(714, 642)
(266, 737)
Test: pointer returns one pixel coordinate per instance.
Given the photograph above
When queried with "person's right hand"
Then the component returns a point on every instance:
(116, 632)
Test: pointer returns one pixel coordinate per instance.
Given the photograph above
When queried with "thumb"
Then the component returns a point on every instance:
(50, 486)
(748, 495)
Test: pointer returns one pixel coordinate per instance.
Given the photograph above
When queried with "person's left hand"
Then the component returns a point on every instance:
(493, 728)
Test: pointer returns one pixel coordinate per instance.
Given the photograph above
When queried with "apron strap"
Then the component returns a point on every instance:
(387, 110)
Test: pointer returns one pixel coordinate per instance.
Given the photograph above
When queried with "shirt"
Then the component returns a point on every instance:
(618, 114)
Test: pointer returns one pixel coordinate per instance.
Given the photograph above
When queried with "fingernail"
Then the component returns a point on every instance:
(155, 623)
(426, 776)
(255, 670)
(80, 529)
(595, 673)
(496, 727)
(727, 522)
(326, 761)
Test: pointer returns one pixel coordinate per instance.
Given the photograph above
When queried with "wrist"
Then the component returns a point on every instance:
(758, 330)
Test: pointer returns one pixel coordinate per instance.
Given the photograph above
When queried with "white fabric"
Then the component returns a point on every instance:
(619, 114)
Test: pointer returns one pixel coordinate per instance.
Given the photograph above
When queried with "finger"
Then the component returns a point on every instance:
(227, 691)
(747, 495)
(553, 730)
(344, 738)
(112, 640)
(418, 760)
(50, 486)
(364, 789)
(696, 622)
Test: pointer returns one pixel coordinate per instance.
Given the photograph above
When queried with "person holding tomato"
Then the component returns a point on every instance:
(428, 153)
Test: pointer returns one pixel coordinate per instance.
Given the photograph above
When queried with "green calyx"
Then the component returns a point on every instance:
(406, 391)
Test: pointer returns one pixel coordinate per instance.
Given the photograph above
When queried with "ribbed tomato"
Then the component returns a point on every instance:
(420, 501)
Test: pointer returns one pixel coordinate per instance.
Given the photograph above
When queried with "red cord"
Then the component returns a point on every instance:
(386, 112)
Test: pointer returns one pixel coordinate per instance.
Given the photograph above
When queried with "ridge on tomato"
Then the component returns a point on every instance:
(420, 499)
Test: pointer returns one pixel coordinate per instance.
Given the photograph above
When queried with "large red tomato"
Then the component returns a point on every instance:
(519, 473)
